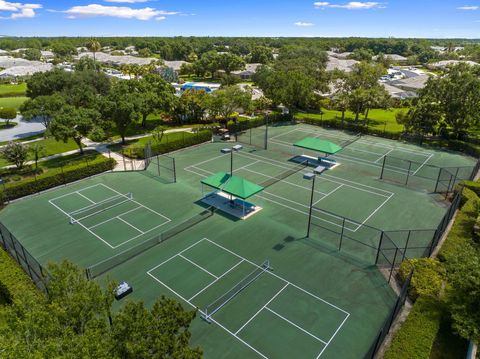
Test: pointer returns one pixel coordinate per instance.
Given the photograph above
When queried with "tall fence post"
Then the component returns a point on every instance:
(438, 180)
(406, 246)
(379, 247)
(408, 172)
(393, 265)
(174, 171)
(383, 166)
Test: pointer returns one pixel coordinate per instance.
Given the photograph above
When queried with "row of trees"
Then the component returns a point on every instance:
(447, 103)
(76, 320)
(211, 62)
(74, 105)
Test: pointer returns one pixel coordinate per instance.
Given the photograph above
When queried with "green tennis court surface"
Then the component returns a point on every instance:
(311, 301)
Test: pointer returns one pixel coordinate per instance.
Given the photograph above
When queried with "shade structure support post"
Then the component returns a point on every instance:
(311, 207)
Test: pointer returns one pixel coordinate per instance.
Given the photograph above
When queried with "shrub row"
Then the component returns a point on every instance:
(14, 282)
(460, 236)
(52, 179)
(428, 277)
(243, 124)
(417, 335)
(187, 140)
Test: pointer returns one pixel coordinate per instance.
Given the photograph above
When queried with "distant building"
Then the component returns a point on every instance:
(174, 65)
(21, 71)
(413, 84)
(446, 63)
(391, 57)
(47, 55)
(340, 64)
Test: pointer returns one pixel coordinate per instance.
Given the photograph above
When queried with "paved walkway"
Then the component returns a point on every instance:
(123, 163)
(23, 129)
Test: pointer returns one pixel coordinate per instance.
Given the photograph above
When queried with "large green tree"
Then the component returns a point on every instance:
(226, 101)
(458, 96)
(43, 108)
(74, 123)
(76, 320)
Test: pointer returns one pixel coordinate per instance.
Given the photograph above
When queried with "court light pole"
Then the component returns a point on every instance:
(310, 177)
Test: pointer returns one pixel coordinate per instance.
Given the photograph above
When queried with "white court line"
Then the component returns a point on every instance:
(328, 194)
(277, 276)
(290, 183)
(385, 155)
(167, 220)
(120, 215)
(423, 164)
(292, 208)
(124, 221)
(378, 208)
(61, 210)
(195, 307)
(258, 312)
(295, 325)
(336, 181)
(371, 143)
(334, 334)
(287, 283)
(73, 192)
(216, 280)
(88, 199)
(140, 204)
(198, 266)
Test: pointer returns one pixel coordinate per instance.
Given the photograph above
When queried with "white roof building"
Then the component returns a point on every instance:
(444, 64)
(339, 64)
(391, 57)
(118, 60)
(20, 71)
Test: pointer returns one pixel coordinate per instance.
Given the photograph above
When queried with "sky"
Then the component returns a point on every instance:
(275, 18)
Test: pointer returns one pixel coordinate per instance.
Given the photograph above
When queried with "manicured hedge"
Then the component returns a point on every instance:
(428, 277)
(243, 123)
(186, 139)
(415, 338)
(52, 179)
(460, 236)
(14, 278)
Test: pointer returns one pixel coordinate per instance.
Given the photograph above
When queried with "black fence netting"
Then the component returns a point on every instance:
(160, 166)
(422, 176)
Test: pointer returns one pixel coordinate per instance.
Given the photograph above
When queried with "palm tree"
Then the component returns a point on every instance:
(94, 46)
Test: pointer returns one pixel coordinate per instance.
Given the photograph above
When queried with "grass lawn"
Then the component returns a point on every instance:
(193, 78)
(14, 102)
(378, 118)
(51, 167)
(52, 147)
(9, 90)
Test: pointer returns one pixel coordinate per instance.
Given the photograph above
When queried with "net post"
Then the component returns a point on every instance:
(383, 167)
(379, 247)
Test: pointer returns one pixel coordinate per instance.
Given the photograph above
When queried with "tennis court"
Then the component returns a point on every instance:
(112, 217)
(263, 288)
(258, 309)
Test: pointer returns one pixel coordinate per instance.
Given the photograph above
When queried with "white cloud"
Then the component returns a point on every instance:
(18, 10)
(117, 11)
(127, 1)
(352, 5)
(303, 24)
(469, 7)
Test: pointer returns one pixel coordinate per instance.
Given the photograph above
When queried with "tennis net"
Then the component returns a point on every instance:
(355, 139)
(285, 174)
(227, 297)
(95, 208)
(130, 253)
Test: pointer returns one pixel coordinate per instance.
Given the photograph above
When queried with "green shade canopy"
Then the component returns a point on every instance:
(234, 185)
(315, 144)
